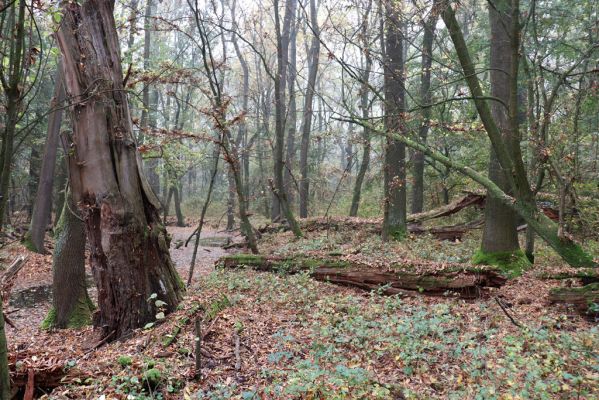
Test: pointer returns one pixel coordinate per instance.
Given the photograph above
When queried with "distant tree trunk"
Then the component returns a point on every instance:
(280, 84)
(394, 216)
(149, 99)
(71, 305)
(425, 99)
(42, 207)
(177, 199)
(35, 162)
(128, 244)
(500, 234)
(365, 108)
(4, 371)
(291, 121)
(167, 204)
(12, 87)
(230, 200)
(313, 57)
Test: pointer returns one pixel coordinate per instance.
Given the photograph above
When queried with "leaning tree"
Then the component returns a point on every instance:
(129, 245)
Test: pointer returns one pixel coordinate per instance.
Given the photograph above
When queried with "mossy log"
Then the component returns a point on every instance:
(408, 279)
(582, 298)
(586, 276)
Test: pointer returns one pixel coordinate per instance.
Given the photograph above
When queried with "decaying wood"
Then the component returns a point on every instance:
(44, 373)
(586, 276)
(8, 278)
(407, 279)
(470, 199)
(580, 297)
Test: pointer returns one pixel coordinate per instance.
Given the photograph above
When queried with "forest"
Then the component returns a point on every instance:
(299, 199)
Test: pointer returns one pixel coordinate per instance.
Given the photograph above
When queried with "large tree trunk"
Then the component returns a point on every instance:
(72, 307)
(280, 108)
(425, 100)
(500, 234)
(128, 244)
(313, 56)
(42, 207)
(394, 215)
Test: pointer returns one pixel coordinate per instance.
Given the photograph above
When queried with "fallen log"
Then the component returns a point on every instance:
(10, 276)
(406, 278)
(586, 276)
(584, 299)
(470, 199)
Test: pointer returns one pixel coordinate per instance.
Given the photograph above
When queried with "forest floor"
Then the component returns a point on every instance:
(274, 336)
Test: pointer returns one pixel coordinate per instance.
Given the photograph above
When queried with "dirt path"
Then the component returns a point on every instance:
(208, 250)
(31, 295)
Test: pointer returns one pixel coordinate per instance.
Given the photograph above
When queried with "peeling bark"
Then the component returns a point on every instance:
(128, 244)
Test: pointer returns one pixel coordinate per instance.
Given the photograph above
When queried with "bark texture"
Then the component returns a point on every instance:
(71, 305)
(42, 207)
(128, 244)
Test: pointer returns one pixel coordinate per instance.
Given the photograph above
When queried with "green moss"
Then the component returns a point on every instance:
(576, 256)
(124, 361)
(50, 320)
(511, 263)
(246, 259)
(397, 234)
(153, 377)
(80, 316)
(26, 241)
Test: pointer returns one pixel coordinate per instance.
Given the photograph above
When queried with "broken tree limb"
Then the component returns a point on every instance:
(582, 298)
(470, 199)
(407, 279)
(9, 277)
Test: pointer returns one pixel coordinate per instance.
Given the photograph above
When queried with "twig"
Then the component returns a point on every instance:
(198, 348)
(505, 311)
(237, 355)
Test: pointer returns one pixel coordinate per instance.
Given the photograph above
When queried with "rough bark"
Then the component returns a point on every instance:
(394, 192)
(405, 278)
(230, 200)
(42, 207)
(313, 57)
(128, 244)
(71, 305)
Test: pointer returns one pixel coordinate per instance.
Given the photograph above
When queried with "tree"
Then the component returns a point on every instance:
(13, 73)
(428, 26)
(42, 207)
(313, 56)
(500, 236)
(129, 246)
(280, 109)
(394, 191)
(365, 111)
(71, 305)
